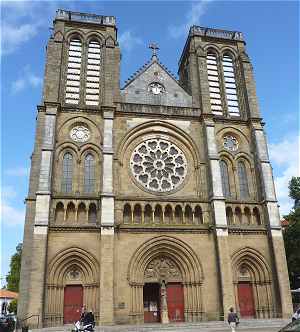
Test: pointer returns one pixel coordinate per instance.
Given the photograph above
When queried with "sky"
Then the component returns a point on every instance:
(270, 28)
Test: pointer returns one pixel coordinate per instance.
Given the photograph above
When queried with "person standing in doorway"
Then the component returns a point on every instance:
(232, 319)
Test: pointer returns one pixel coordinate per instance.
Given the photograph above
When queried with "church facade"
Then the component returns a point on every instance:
(153, 202)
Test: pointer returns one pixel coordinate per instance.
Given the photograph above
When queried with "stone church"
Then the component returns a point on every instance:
(155, 201)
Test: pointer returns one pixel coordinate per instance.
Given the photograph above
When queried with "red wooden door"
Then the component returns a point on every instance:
(246, 301)
(175, 302)
(73, 301)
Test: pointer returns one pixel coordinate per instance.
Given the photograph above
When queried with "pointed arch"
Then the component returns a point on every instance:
(225, 178)
(67, 172)
(243, 180)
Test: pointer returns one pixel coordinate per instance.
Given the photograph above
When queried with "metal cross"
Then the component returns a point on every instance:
(154, 48)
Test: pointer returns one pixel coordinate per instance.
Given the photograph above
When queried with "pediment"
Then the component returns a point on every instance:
(153, 84)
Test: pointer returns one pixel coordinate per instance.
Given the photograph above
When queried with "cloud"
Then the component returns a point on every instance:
(286, 166)
(128, 40)
(17, 171)
(14, 36)
(11, 215)
(28, 79)
(192, 17)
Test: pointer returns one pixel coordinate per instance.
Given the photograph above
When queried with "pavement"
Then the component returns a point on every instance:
(253, 325)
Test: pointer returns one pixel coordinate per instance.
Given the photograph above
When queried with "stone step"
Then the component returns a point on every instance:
(199, 326)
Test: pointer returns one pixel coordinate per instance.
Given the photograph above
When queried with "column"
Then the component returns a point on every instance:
(219, 211)
(107, 224)
(275, 233)
(41, 221)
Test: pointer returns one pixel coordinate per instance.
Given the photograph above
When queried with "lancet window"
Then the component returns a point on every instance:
(67, 173)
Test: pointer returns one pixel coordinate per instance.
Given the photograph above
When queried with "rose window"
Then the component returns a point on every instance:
(80, 134)
(158, 165)
(230, 143)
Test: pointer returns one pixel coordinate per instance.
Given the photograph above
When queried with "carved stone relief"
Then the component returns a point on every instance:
(162, 268)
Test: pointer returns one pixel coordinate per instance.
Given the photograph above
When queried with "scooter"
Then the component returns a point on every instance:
(83, 328)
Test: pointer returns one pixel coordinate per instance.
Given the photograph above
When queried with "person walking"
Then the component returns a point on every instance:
(232, 319)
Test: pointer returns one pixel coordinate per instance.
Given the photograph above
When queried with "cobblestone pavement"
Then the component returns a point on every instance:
(273, 325)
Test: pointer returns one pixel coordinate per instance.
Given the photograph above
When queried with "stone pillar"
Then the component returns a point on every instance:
(41, 221)
(219, 211)
(275, 233)
(107, 224)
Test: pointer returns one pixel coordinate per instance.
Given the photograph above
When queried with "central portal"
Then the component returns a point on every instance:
(151, 302)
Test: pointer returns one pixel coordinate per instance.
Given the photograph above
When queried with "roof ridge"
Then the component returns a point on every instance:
(143, 69)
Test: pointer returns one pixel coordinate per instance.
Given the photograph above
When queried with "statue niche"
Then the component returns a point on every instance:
(160, 269)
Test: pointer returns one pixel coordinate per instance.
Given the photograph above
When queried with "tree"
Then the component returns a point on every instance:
(292, 235)
(13, 277)
(12, 307)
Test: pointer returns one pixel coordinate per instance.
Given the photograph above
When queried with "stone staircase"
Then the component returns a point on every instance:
(245, 324)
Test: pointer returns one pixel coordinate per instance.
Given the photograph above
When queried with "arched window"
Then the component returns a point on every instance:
(188, 215)
(229, 215)
(158, 215)
(198, 216)
(168, 216)
(127, 214)
(214, 84)
(67, 169)
(89, 173)
(230, 86)
(81, 214)
(59, 213)
(73, 71)
(243, 182)
(137, 214)
(93, 73)
(225, 178)
(92, 217)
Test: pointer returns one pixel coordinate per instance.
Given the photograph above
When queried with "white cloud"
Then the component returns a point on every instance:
(28, 79)
(192, 17)
(14, 36)
(11, 214)
(285, 157)
(128, 40)
(17, 171)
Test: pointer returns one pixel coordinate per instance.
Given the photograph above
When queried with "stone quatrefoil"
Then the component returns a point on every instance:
(158, 165)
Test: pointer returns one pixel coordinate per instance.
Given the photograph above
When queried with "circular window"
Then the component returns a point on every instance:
(80, 134)
(158, 165)
(230, 143)
(156, 88)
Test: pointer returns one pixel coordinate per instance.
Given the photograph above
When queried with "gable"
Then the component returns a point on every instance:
(138, 91)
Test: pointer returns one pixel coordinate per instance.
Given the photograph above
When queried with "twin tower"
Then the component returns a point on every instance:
(153, 202)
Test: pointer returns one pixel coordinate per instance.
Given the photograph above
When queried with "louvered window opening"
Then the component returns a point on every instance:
(230, 86)
(225, 179)
(243, 181)
(67, 176)
(73, 72)
(214, 84)
(93, 74)
(89, 174)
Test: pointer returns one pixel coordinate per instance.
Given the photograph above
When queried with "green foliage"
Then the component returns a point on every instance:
(13, 277)
(294, 187)
(13, 306)
(291, 237)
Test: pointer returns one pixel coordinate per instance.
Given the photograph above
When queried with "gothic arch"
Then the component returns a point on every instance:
(230, 51)
(157, 127)
(248, 265)
(189, 269)
(95, 35)
(172, 247)
(71, 266)
(71, 33)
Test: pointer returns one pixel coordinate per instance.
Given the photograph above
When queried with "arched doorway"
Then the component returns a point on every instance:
(168, 268)
(252, 284)
(163, 297)
(73, 281)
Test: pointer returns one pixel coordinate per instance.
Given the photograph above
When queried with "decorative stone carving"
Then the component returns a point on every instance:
(156, 88)
(162, 269)
(74, 274)
(230, 143)
(80, 134)
(158, 165)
